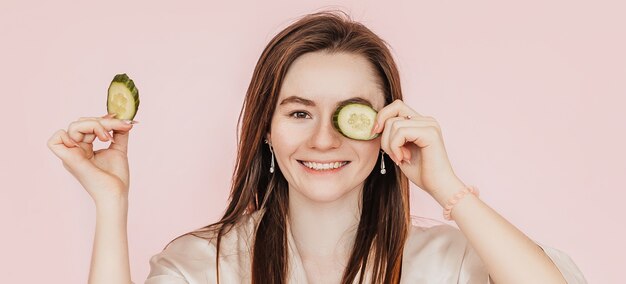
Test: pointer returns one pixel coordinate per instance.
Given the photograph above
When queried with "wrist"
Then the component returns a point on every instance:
(117, 203)
(452, 202)
(443, 194)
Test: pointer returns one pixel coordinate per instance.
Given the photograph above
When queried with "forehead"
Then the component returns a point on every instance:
(332, 77)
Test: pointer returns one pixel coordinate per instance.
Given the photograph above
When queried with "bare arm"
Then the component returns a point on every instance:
(109, 259)
(509, 255)
(415, 143)
(105, 176)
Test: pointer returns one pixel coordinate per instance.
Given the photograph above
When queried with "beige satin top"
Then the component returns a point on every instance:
(432, 254)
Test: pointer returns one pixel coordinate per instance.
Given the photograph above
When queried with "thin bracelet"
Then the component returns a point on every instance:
(455, 199)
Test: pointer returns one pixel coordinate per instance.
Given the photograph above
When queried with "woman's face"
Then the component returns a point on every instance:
(305, 143)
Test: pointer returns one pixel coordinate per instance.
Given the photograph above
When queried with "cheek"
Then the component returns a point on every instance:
(368, 151)
(286, 137)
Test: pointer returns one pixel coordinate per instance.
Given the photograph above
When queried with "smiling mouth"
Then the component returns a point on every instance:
(323, 166)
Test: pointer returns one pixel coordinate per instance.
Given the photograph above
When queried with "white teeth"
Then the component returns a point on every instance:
(324, 166)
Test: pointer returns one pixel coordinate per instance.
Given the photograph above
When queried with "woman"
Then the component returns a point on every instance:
(307, 204)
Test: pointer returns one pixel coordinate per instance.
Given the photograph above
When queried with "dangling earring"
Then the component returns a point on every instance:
(382, 163)
(272, 162)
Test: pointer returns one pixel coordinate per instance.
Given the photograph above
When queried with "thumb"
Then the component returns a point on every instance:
(121, 139)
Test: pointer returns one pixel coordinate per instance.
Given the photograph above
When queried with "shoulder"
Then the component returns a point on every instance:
(440, 253)
(192, 256)
(184, 260)
(203, 241)
(190, 246)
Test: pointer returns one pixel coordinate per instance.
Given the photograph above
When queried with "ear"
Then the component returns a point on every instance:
(268, 138)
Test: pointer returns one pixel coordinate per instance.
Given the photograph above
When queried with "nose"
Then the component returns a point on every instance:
(324, 136)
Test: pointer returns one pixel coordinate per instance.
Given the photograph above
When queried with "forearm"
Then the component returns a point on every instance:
(509, 255)
(109, 260)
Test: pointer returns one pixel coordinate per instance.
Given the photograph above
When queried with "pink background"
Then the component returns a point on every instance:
(530, 96)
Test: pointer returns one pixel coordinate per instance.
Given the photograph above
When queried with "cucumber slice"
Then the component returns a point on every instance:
(355, 121)
(123, 97)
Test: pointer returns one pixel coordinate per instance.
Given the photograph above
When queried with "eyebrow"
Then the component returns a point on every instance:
(297, 100)
(307, 102)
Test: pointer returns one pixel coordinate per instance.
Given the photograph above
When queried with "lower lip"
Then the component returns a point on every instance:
(322, 172)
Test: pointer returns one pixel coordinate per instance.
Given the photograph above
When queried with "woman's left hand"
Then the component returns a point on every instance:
(415, 143)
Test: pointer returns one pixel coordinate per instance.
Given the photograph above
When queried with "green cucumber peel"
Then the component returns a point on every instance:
(122, 97)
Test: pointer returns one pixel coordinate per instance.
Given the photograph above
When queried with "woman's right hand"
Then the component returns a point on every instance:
(103, 173)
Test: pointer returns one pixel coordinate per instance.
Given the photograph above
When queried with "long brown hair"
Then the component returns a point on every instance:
(384, 221)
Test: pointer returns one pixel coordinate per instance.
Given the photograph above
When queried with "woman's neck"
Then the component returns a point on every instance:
(323, 230)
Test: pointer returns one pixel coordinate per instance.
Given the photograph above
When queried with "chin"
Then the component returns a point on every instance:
(323, 194)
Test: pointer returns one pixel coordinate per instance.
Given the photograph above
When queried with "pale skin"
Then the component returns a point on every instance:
(105, 176)
(323, 205)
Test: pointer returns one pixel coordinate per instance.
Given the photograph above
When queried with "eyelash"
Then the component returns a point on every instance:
(295, 113)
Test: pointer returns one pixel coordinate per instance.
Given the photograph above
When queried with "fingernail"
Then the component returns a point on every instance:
(407, 161)
(76, 144)
(375, 128)
(130, 121)
(110, 137)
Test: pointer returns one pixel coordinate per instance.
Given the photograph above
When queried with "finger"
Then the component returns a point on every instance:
(102, 126)
(78, 165)
(110, 115)
(121, 130)
(402, 125)
(89, 138)
(67, 140)
(384, 141)
(423, 136)
(78, 129)
(87, 148)
(87, 118)
(406, 153)
(396, 109)
(57, 145)
(61, 139)
(401, 137)
(391, 130)
(61, 143)
(121, 140)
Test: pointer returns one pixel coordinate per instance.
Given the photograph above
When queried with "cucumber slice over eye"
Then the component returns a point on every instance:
(355, 121)
(123, 97)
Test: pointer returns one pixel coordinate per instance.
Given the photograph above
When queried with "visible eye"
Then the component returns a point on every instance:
(299, 114)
